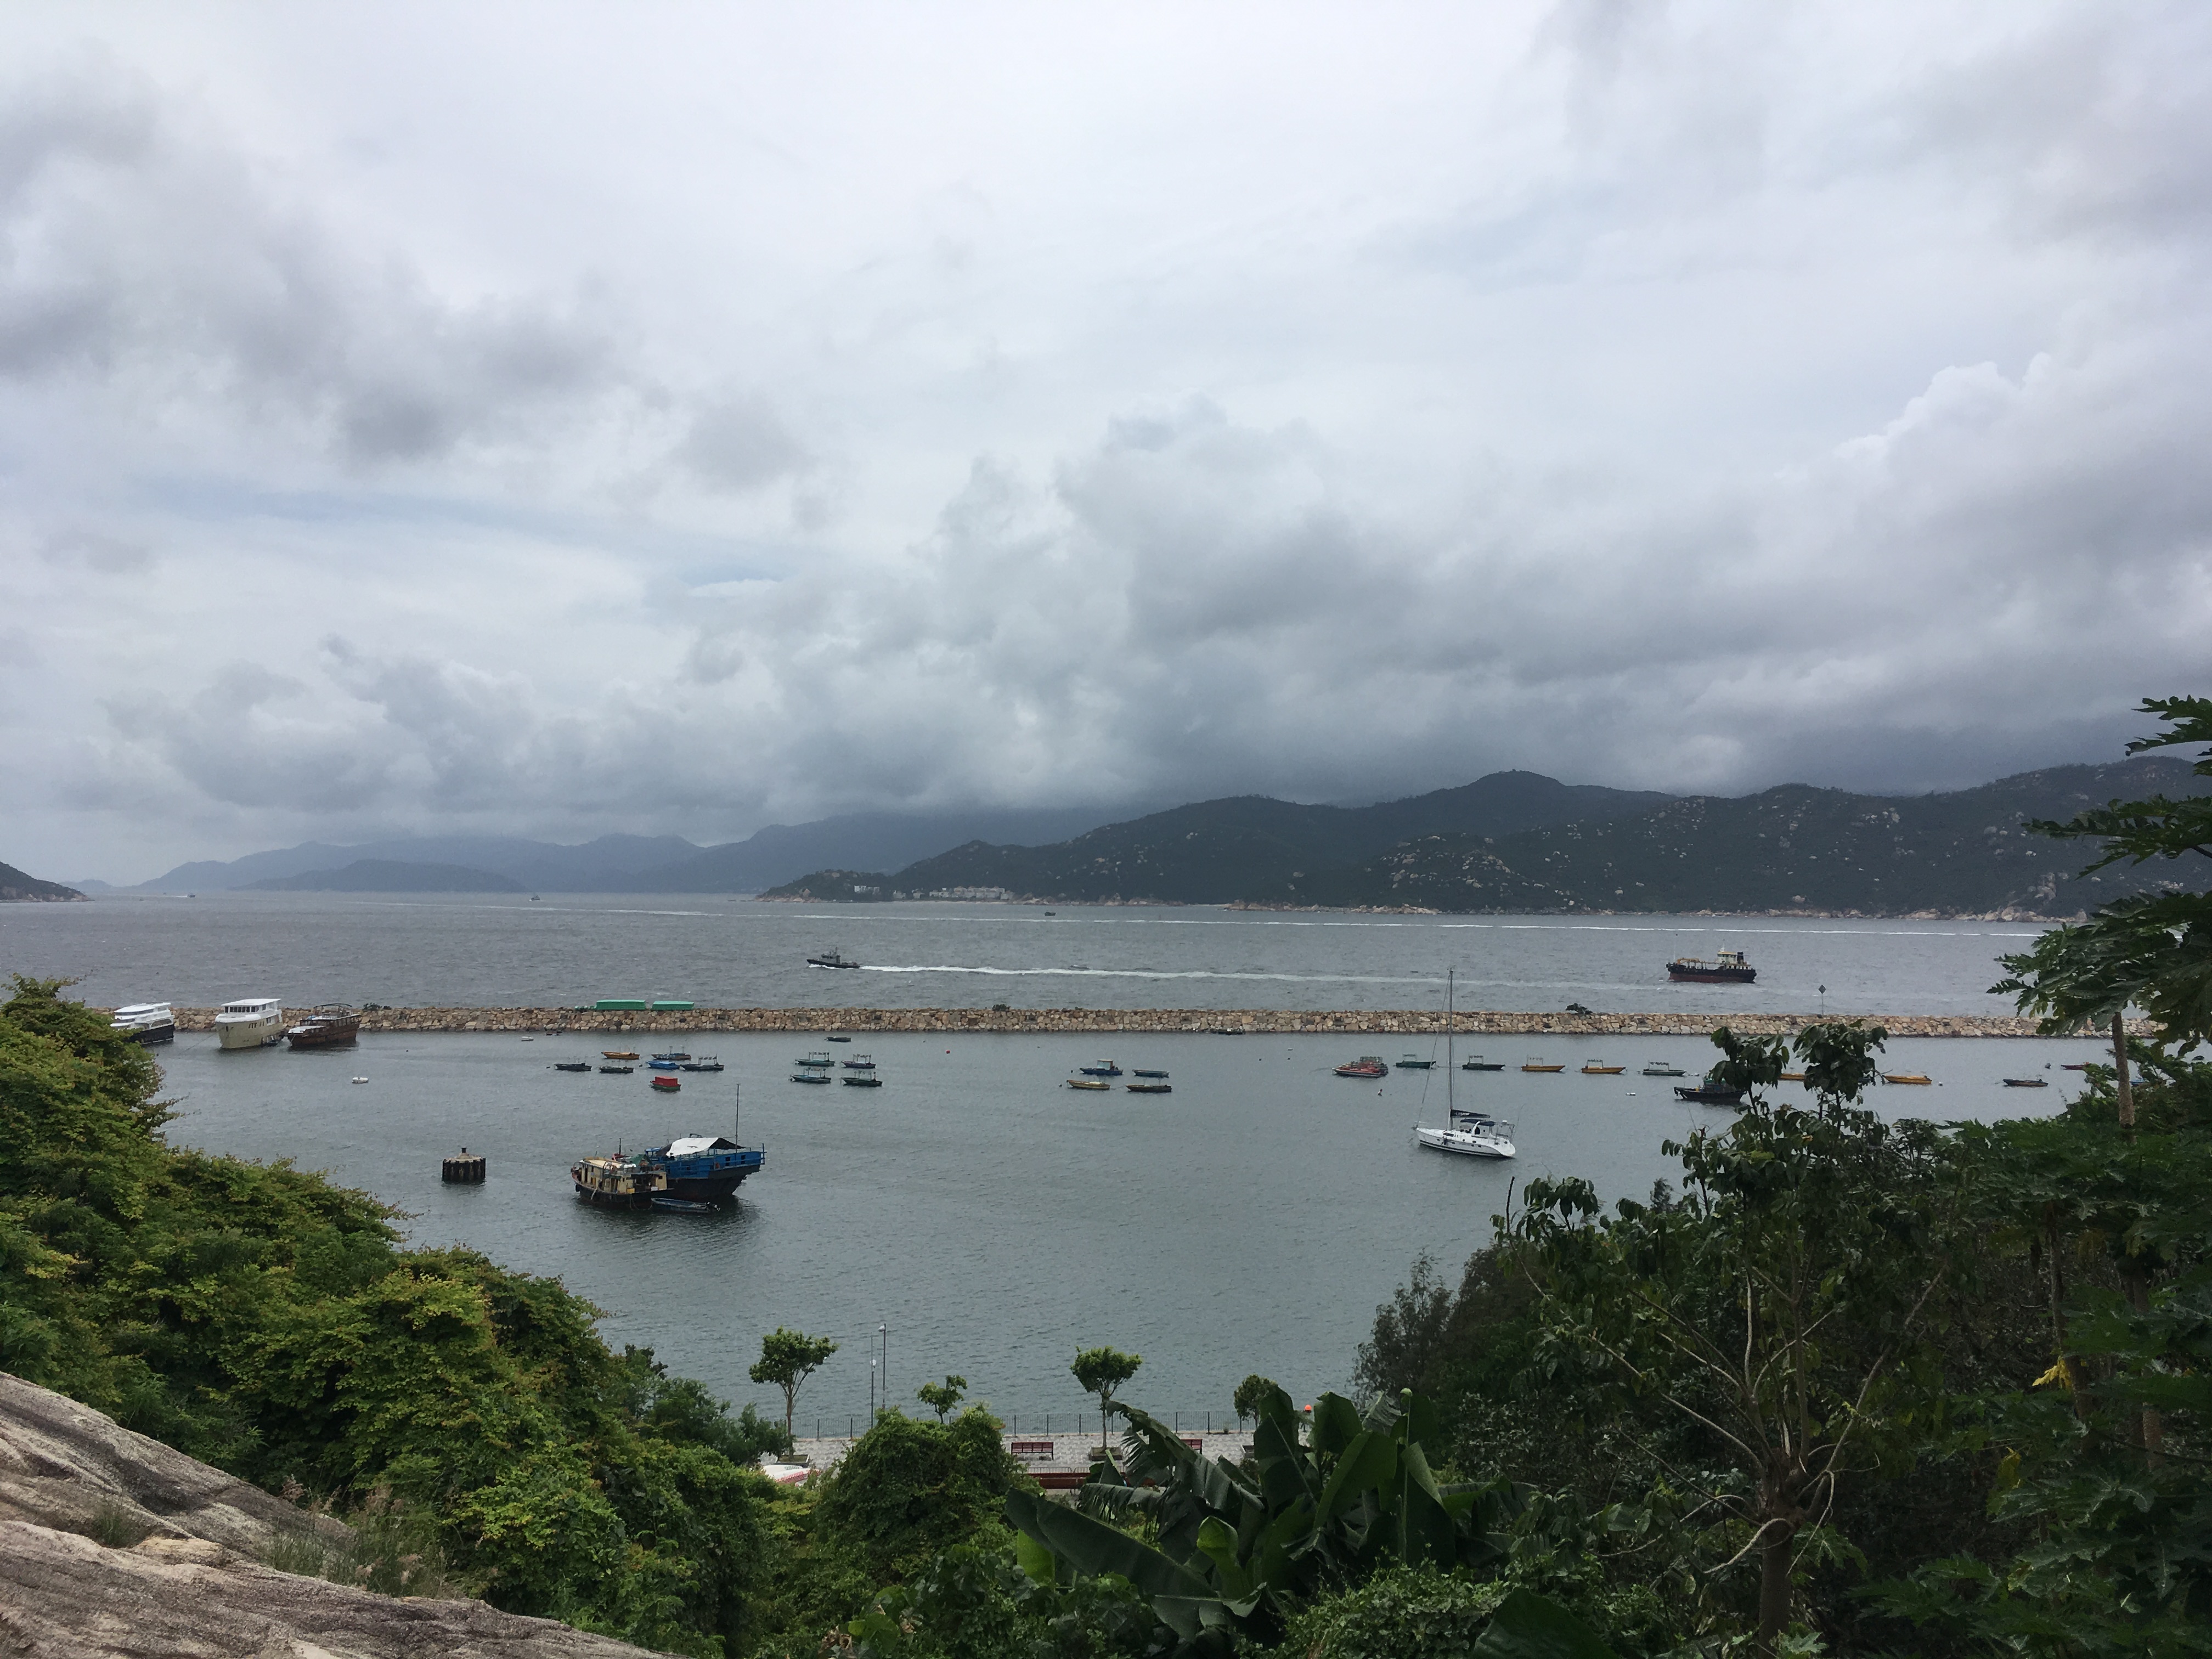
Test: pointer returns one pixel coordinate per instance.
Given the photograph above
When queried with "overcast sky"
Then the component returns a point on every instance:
(562, 419)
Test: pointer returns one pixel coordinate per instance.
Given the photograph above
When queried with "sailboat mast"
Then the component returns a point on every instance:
(1448, 1067)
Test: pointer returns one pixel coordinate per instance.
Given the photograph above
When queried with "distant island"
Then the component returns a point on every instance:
(16, 888)
(1517, 843)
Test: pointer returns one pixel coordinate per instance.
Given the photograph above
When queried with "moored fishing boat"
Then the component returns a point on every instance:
(817, 1061)
(677, 1056)
(1477, 1063)
(330, 1025)
(1088, 1083)
(1367, 1065)
(621, 1070)
(1149, 1088)
(616, 1181)
(1709, 1090)
(1139, 1070)
(707, 1169)
(1591, 1068)
(1538, 1063)
(862, 1080)
(249, 1022)
(1103, 1068)
(666, 1084)
(1730, 969)
(860, 1063)
(704, 1063)
(1415, 1063)
(572, 1064)
(1661, 1068)
(617, 1053)
(2027, 1083)
(1919, 1080)
(809, 1077)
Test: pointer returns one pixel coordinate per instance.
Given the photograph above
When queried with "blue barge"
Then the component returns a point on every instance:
(693, 1169)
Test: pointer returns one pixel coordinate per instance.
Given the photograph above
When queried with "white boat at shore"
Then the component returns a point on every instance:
(144, 1022)
(249, 1022)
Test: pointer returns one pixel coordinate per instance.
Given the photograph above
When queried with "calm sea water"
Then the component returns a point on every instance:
(487, 951)
(993, 1221)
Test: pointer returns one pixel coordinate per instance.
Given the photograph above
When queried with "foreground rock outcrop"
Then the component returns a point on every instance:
(112, 1544)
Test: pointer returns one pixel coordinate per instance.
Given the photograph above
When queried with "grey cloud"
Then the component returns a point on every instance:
(738, 443)
(94, 549)
(145, 255)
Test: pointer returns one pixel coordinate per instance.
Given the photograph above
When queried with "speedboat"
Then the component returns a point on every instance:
(831, 959)
(1470, 1134)
(249, 1022)
(1661, 1068)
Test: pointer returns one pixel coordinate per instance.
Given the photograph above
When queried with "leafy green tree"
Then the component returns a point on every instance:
(787, 1358)
(942, 1397)
(2152, 950)
(1250, 1393)
(1772, 1302)
(1236, 1548)
(1101, 1371)
(907, 1489)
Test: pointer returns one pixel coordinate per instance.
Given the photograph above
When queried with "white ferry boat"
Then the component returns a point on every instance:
(249, 1022)
(144, 1022)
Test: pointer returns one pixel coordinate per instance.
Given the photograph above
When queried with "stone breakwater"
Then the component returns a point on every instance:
(1357, 1022)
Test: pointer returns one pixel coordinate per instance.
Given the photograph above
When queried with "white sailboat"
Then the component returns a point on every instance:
(1470, 1134)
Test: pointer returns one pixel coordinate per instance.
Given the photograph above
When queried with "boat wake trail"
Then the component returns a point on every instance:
(1156, 973)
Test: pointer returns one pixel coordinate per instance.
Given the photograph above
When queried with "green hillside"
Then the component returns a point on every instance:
(17, 888)
(1788, 848)
(1211, 851)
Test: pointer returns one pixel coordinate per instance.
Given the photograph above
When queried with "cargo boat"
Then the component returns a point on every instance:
(1731, 970)
(332, 1026)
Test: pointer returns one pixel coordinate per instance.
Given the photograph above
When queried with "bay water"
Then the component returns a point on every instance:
(974, 1215)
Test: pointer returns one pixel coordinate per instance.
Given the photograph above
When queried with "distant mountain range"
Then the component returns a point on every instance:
(639, 864)
(16, 888)
(390, 876)
(1515, 842)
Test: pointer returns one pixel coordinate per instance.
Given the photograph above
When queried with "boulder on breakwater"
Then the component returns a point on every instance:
(1353, 1022)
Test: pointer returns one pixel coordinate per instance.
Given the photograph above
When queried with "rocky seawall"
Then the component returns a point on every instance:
(1356, 1022)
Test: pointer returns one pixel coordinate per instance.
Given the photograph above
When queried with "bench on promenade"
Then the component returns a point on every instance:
(1030, 1448)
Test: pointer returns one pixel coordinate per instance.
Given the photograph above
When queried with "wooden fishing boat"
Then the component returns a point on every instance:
(1534, 1064)
(1591, 1068)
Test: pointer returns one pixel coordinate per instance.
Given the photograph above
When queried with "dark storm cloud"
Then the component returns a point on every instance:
(1695, 396)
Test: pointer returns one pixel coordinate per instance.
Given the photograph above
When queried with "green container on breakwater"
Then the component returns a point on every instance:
(670, 1006)
(620, 1005)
